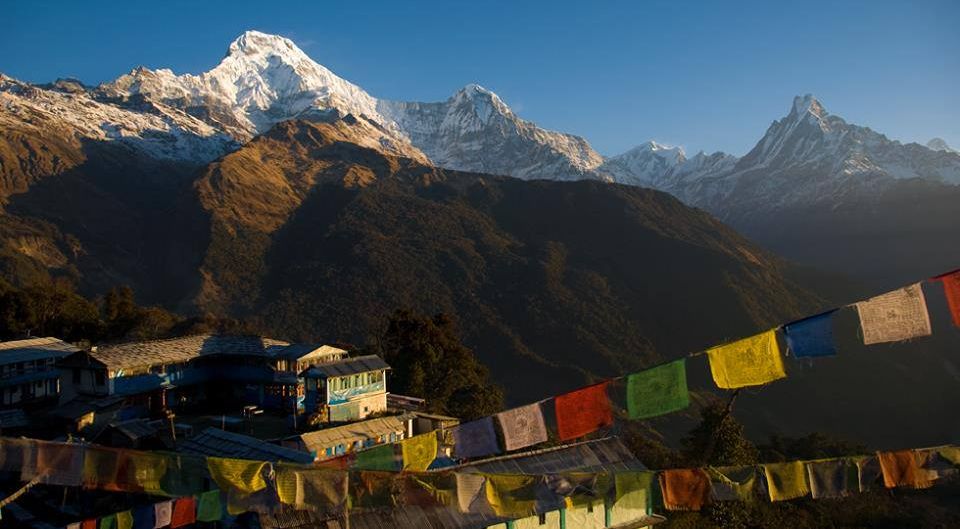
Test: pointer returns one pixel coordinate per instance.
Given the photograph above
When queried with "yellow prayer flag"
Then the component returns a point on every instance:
(125, 520)
(419, 451)
(512, 496)
(237, 474)
(749, 362)
(786, 481)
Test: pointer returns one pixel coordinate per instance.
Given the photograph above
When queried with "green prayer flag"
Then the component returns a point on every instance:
(108, 522)
(208, 507)
(658, 391)
(382, 457)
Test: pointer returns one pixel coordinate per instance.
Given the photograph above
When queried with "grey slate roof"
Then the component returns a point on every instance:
(219, 443)
(33, 349)
(178, 350)
(347, 366)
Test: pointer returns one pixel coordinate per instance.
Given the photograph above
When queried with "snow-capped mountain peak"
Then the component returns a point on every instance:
(938, 144)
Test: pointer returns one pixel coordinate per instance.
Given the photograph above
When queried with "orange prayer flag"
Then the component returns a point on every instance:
(685, 489)
(902, 469)
(951, 288)
(184, 512)
(583, 411)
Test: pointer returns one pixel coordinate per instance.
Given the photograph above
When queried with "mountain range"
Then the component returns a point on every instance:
(269, 188)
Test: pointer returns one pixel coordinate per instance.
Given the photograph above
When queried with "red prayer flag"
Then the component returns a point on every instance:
(583, 411)
(184, 512)
(951, 287)
(89, 524)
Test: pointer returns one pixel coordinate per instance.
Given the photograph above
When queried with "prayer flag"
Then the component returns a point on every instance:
(634, 492)
(894, 316)
(831, 478)
(523, 426)
(108, 522)
(241, 475)
(471, 494)
(143, 517)
(162, 514)
(951, 288)
(786, 481)
(732, 483)
(314, 489)
(74, 525)
(89, 524)
(658, 391)
(208, 507)
(512, 496)
(868, 473)
(475, 439)
(902, 469)
(685, 489)
(583, 411)
(59, 464)
(749, 362)
(381, 457)
(811, 336)
(125, 520)
(184, 512)
(419, 451)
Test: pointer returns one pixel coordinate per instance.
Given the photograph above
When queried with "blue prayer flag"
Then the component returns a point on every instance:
(144, 517)
(811, 336)
(475, 439)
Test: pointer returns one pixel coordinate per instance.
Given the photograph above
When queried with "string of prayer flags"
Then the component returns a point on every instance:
(475, 439)
(831, 478)
(895, 316)
(658, 391)
(786, 481)
(811, 337)
(751, 361)
(732, 483)
(951, 289)
(419, 451)
(901, 468)
(583, 411)
(184, 512)
(522, 427)
(209, 508)
(685, 489)
(162, 514)
(381, 457)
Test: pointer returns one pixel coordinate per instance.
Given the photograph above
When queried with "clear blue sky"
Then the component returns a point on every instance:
(707, 75)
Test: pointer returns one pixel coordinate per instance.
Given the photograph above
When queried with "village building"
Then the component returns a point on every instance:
(28, 372)
(350, 389)
(152, 376)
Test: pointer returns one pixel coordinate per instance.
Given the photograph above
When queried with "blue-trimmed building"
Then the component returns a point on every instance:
(28, 372)
(350, 389)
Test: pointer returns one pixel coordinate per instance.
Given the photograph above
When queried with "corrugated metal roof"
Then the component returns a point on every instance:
(137, 428)
(348, 366)
(33, 349)
(13, 418)
(220, 443)
(349, 433)
(178, 350)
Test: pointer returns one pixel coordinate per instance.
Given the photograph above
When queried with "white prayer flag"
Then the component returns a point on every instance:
(894, 316)
(523, 426)
(163, 512)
